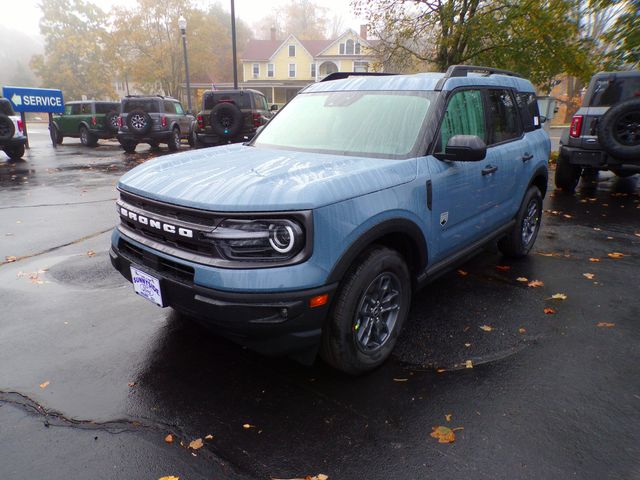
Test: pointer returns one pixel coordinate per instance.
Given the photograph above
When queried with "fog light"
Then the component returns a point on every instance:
(318, 300)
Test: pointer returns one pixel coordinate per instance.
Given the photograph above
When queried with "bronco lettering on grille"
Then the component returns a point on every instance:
(157, 224)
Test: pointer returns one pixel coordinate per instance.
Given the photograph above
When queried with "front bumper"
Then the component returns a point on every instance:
(158, 136)
(273, 323)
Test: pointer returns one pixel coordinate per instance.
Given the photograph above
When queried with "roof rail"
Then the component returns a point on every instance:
(342, 75)
(464, 70)
(150, 95)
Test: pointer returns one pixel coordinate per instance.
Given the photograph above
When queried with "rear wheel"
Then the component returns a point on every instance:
(174, 140)
(567, 175)
(129, 147)
(369, 310)
(87, 138)
(15, 152)
(56, 135)
(523, 235)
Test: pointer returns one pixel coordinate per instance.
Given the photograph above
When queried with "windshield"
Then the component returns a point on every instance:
(378, 124)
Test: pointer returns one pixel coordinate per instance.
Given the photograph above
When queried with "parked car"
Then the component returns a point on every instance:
(154, 119)
(604, 132)
(231, 116)
(88, 120)
(12, 138)
(314, 236)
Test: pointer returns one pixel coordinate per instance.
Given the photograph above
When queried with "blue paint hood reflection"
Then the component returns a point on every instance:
(240, 178)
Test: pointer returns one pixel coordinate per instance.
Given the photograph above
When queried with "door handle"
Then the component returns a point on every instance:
(526, 157)
(489, 169)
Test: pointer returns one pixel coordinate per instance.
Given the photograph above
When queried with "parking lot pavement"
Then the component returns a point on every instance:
(93, 377)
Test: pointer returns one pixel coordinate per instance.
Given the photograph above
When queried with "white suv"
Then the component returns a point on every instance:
(12, 138)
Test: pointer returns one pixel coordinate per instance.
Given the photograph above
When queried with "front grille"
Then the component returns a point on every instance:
(168, 268)
(184, 214)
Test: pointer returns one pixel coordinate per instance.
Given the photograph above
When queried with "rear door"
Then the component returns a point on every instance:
(184, 120)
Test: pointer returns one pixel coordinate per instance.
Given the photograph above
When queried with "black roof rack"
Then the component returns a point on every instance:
(146, 96)
(464, 70)
(342, 75)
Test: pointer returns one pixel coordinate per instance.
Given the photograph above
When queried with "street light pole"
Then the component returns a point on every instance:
(233, 45)
(182, 24)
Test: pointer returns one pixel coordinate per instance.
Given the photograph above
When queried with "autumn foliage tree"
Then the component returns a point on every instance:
(76, 57)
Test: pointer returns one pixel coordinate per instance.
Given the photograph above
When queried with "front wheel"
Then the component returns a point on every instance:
(174, 140)
(523, 235)
(371, 305)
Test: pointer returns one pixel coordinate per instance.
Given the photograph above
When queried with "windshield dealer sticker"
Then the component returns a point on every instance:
(444, 218)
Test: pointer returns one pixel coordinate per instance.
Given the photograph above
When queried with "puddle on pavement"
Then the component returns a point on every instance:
(87, 272)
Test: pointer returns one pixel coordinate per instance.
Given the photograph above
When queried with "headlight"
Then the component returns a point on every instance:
(258, 240)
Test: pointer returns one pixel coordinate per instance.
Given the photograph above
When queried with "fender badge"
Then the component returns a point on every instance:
(444, 218)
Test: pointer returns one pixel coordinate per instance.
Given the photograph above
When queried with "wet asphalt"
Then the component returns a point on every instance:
(93, 377)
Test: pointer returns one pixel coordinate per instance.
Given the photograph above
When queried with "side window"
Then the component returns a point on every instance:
(504, 116)
(67, 109)
(528, 106)
(75, 109)
(464, 116)
(178, 108)
(86, 109)
(169, 107)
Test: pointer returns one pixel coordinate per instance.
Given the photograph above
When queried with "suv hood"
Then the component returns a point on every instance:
(241, 178)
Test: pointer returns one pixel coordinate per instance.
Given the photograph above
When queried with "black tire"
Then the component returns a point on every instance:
(523, 235)
(111, 121)
(15, 152)
(55, 135)
(567, 175)
(226, 120)
(139, 122)
(87, 138)
(619, 130)
(174, 140)
(343, 343)
(193, 139)
(7, 128)
(129, 147)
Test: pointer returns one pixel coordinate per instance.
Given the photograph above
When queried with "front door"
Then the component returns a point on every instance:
(460, 199)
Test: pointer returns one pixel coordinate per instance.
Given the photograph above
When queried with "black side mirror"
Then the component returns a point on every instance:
(464, 148)
(543, 119)
(274, 107)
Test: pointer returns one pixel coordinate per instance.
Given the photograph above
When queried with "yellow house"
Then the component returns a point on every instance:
(281, 68)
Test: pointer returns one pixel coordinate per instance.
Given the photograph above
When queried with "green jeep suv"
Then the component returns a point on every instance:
(88, 120)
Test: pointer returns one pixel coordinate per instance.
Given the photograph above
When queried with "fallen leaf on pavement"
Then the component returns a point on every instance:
(548, 254)
(440, 370)
(637, 234)
(566, 215)
(444, 434)
(535, 283)
(91, 253)
(615, 255)
(522, 279)
(400, 379)
(605, 325)
(168, 438)
(246, 426)
(588, 275)
(549, 311)
(462, 273)
(170, 477)
(131, 384)
(320, 476)
(522, 330)
(594, 260)
(468, 364)
(44, 385)
(503, 268)
(196, 444)
(209, 437)
(447, 417)
(467, 345)
(559, 296)
(486, 328)
(10, 258)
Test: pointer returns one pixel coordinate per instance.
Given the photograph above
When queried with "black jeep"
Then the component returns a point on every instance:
(231, 116)
(604, 132)
(153, 119)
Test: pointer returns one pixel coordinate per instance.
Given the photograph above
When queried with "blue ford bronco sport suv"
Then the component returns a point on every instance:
(312, 237)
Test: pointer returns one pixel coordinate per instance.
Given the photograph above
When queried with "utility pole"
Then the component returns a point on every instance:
(182, 24)
(233, 45)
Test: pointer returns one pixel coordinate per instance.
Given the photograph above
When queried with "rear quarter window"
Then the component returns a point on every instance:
(528, 106)
(608, 92)
(107, 107)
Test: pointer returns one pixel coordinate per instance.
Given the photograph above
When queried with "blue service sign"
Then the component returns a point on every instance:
(34, 99)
